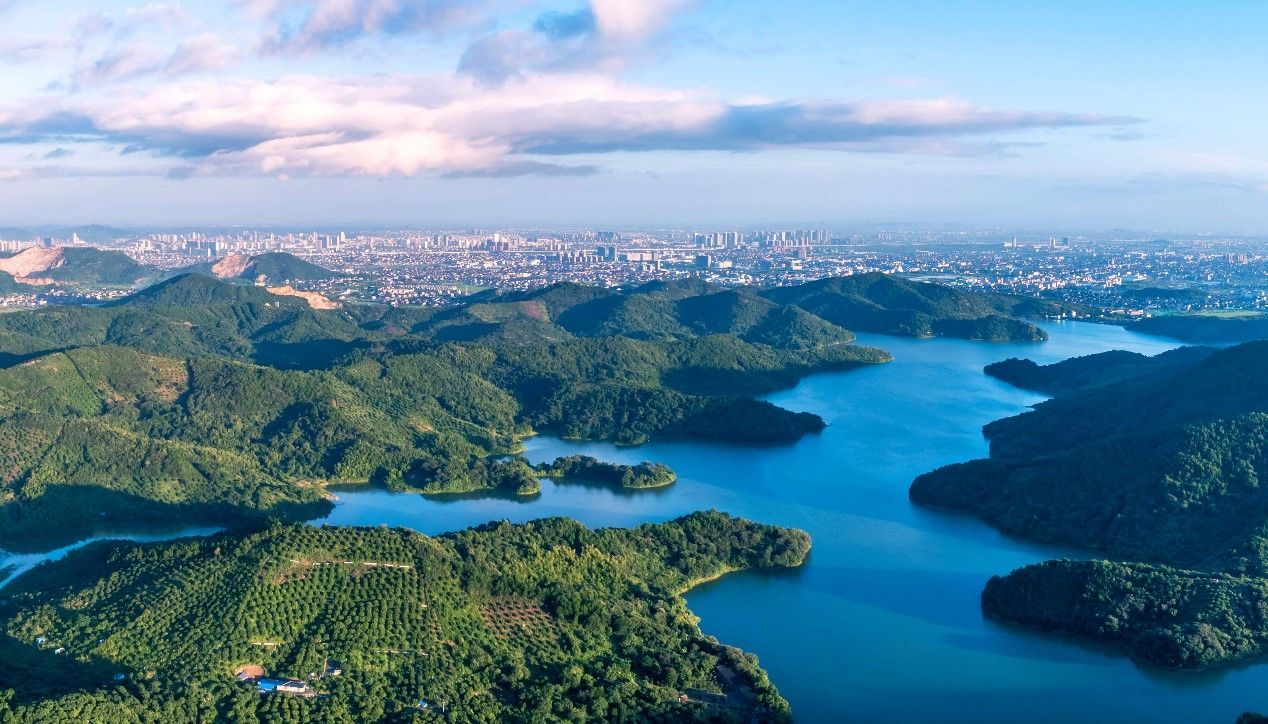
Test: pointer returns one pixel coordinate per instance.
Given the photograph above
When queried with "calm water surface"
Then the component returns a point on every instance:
(882, 623)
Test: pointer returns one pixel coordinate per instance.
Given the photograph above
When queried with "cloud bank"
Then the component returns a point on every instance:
(384, 126)
(519, 101)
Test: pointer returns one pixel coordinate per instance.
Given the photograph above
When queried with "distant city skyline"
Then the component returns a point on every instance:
(624, 113)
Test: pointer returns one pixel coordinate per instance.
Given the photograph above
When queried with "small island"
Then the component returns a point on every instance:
(583, 468)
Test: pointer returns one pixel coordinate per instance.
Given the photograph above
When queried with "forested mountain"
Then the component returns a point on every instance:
(807, 315)
(76, 265)
(1205, 328)
(887, 304)
(1133, 467)
(659, 310)
(1161, 465)
(536, 622)
(273, 267)
(10, 285)
(200, 398)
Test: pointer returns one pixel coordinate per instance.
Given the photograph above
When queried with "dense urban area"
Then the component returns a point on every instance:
(1126, 273)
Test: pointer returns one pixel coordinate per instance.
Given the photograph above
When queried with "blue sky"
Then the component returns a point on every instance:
(1074, 115)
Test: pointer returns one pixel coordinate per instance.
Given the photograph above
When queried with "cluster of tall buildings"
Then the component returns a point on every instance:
(719, 239)
(773, 239)
(797, 237)
(7, 245)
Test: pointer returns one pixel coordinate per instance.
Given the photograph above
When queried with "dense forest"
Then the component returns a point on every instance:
(1060, 378)
(1160, 463)
(582, 468)
(1162, 616)
(1162, 466)
(274, 266)
(1206, 328)
(75, 265)
(546, 621)
(887, 304)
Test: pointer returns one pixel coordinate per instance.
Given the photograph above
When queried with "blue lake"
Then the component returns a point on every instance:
(883, 622)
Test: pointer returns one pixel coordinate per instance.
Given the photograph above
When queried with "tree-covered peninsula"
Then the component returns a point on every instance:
(583, 468)
(1103, 368)
(1209, 328)
(1163, 616)
(546, 621)
(1160, 466)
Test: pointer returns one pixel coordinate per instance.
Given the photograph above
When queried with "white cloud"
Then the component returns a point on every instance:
(631, 20)
(451, 124)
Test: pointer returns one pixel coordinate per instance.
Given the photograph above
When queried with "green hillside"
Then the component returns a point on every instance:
(1160, 465)
(243, 403)
(276, 267)
(10, 286)
(1205, 328)
(886, 304)
(1162, 616)
(806, 315)
(537, 622)
(585, 469)
(1134, 467)
(1071, 375)
(91, 266)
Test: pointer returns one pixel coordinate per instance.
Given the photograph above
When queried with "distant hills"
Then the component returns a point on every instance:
(272, 267)
(805, 315)
(73, 264)
(886, 304)
(30, 268)
(90, 233)
(1159, 461)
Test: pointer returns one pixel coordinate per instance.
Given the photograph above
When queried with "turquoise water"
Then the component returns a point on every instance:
(882, 623)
